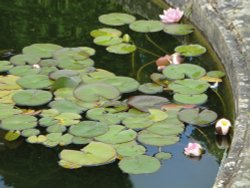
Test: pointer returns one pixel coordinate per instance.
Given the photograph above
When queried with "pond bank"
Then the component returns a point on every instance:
(226, 24)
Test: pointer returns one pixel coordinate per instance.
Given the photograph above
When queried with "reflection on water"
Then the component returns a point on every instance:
(68, 23)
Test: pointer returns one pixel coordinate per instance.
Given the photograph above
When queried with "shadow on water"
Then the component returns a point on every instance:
(68, 23)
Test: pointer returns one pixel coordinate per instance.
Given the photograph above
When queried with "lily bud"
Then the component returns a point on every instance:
(222, 126)
(126, 38)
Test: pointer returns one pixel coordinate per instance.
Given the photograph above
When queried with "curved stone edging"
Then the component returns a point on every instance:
(222, 22)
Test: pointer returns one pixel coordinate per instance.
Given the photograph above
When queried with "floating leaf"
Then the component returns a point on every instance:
(68, 119)
(146, 26)
(107, 40)
(88, 129)
(159, 79)
(30, 132)
(106, 32)
(78, 53)
(48, 63)
(138, 122)
(177, 107)
(150, 88)
(117, 134)
(32, 97)
(191, 50)
(63, 73)
(145, 102)
(34, 82)
(140, 164)
(24, 59)
(116, 19)
(130, 149)
(12, 135)
(52, 140)
(191, 99)
(216, 74)
(163, 156)
(9, 82)
(48, 121)
(180, 71)
(64, 82)
(56, 129)
(68, 165)
(178, 29)
(157, 115)
(81, 140)
(8, 111)
(149, 138)
(66, 106)
(36, 139)
(122, 48)
(23, 70)
(197, 116)
(210, 79)
(5, 66)
(71, 64)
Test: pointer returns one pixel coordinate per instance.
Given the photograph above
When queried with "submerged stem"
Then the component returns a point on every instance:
(133, 62)
(220, 98)
(198, 129)
(141, 68)
(148, 52)
(155, 44)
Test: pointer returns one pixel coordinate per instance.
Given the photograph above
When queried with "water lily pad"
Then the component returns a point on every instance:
(12, 135)
(138, 122)
(48, 121)
(64, 82)
(106, 32)
(178, 29)
(81, 140)
(41, 50)
(48, 63)
(157, 115)
(30, 132)
(150, 88)
(176, 72)
(94, 154)
(146, 26)
(163, 156)
(66, 106)
(5, 66)
(140, 164)
(145, 102)
(117, 134)
(130, 149)
(56, 129)
(63, 73)
(116, 19)
(32, 97)
(24, 59)
(53, 139)
(149, 138)
(77, 53)
(23, 70)
(191, 50)
(197, 116)
(71, 64)
(216, 74)
(88, 129)
(34, 82)
(107, 40)
(122, 48)
(96, 92)
(190, 99)
(9, 82)
(68, 119)
(189, 86)
(8, 111)
(36, 139)
(47, 70)
(64, 93)
(18, 122)
(211, 79)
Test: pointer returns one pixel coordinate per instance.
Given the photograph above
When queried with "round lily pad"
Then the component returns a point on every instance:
(180, 71)
(18, 122)
(140, 164)
(106, 32)
(197, 116)
(216, 74)
(163, 156)
(122, 48)
(107, 40)
(149, 138)
(63, 73)
(138, 122)
(81, 140)
(6, 112)
(178, 29)
(130, 149)
(9, 82)
(116, 19)
(48, 121)
(23, 59)
(23, 70)
(191, 50)
(189, 86)
(5, 66)
(96, 92)
(30, 132)
(88, 129)
(32, 97)
(190, 99)
(66, 106)
(146, 26)
(34, 82)
(48, 63)
(56, 129)
(150, 88)
(71, 64)
(77, 53)
(41, 50)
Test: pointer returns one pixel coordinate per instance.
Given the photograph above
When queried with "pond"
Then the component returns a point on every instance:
(68, 23)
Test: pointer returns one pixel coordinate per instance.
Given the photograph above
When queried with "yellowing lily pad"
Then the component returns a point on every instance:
(157, 115)
(34, 82)
(216, 74)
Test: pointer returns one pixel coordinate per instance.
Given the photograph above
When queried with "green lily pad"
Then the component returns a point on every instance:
(191, 50)
(77, 53)
(149, 138)
(157, 115)
(146, 102)
(56, 129)
(159, 79)
(150, 88)
(190, 99)
(30, 132)
(68, 119)
(63, 73)
(197, 116)
(96, 92)
(163, 156)
(23, 59)
(98, 113)
(94, 154)
(106, 32)
(23, 70)
(48, 121)
(180, 71)
(52, 140)
(66, 106)
(32, 97)
(146, 26)
(48, 63)
(117, 134)
(36, 139)
(41, 50)
(9, 82)
(107, 40)
(12, 135)
(138, 122)
(71, 64)
(34, 82)
(64, 82)
(88, 129)
(130, 149)
(216, 74)
(5, 66)
(47, 70)
(122, 48)
(18, 122)
(7, 112)
(189, 86)
(116, 19)
(49, 113)
(140, 164)
(178, 29)
(81, 140)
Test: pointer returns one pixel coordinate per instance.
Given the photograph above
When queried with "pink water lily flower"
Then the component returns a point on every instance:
(222, 126)
(193, 150)
(175, 59)
(171, 15)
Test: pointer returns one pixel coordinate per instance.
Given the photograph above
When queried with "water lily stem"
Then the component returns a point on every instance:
(142, 67)
(133, 63)
(199, 130)
(148, 52)
(155, 44)
(220, 98)
(159, 149)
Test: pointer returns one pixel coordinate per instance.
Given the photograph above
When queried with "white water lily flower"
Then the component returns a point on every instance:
(215, 85)
(222, 126)
(193, 150)
(36, 66)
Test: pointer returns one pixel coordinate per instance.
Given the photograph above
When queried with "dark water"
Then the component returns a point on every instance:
(68, 23)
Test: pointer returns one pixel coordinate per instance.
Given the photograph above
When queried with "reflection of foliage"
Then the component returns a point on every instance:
(40, 169)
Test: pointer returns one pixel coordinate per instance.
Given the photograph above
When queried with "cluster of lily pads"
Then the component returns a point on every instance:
(54, 96)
